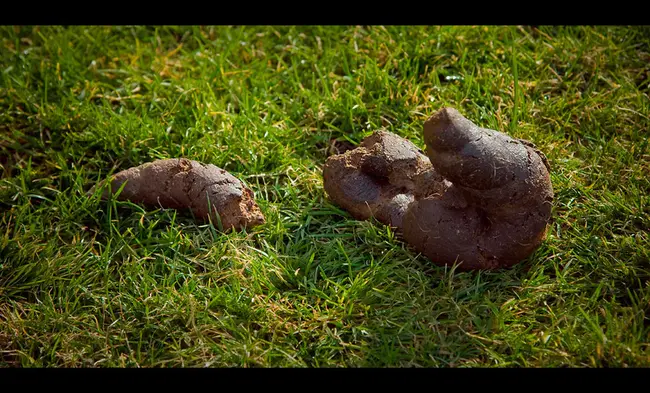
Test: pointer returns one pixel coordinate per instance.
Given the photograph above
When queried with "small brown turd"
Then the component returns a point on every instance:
(207, 190)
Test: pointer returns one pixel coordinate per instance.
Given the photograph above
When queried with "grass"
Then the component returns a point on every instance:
(91, 283)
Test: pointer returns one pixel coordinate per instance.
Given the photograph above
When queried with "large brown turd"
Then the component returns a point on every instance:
(481, 198)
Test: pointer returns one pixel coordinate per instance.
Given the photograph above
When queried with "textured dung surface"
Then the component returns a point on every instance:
(377, 179)
(507, 191)
(186, 184)
(482, 198)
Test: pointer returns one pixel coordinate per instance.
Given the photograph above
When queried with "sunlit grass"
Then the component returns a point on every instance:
(85, 282)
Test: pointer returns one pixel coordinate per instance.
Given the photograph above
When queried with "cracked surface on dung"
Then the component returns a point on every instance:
(205, 189)
(480, 198)
(377, 179)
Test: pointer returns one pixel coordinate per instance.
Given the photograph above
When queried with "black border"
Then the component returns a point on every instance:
(325, 13)
(360, 380)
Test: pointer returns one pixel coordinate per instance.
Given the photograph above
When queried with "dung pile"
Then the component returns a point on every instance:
(478, 197)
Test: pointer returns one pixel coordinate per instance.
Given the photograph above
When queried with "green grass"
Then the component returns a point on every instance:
(85, 282)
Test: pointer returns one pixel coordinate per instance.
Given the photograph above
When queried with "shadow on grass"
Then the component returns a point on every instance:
(8, 357)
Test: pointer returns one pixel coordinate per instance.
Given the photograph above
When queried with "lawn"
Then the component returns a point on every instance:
(92, 283)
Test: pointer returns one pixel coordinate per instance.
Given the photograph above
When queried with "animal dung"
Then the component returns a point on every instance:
(478, 197)
(207, 190)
